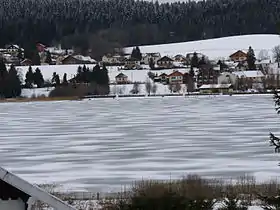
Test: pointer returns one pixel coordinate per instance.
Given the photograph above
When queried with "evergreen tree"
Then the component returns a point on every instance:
(57, 80)
(48, 57)
(136, 53)
(13, 88)
(65, 82)
(202, 61)
(36, 60)
(151, 63)
(78, 77)
(251, 59)
(29, 78)
(54, 78)
(3, 78)
(38, 78)
(20, 55)
(194, 60)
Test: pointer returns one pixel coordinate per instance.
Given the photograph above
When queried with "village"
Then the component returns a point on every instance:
(193, 72)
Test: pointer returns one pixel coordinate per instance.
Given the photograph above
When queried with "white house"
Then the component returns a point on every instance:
(254, 78)
(18, 194)
(263, 64)
(227, 78)
(113, 59)
(255, 75)
(147, 56)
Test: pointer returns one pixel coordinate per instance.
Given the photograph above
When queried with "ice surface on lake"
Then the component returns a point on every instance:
(103, 144)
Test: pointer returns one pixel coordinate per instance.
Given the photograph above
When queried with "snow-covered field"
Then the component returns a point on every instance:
(216, 48)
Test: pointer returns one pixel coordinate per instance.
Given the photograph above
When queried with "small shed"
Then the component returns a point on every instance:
(18, 194)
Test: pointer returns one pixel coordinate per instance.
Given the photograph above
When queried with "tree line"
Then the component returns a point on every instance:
(112, 23)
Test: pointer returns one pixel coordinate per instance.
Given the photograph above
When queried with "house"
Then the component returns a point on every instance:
(85, 59)
(132, 63)
(254, 75)
(262, 64)
(207, 75)
(147, 56)
(18, 194)
(13, 49)
(40, 47)
(26, 62)
(175, 77)
(57, 51)
(163, 78)
(69, 59)
(113, 59)
(165, 62)
(76, 59)
(121, 78)
(238, 56)
(249, 79)
(199, 55)
(216, 88)
(179, 58)
(228, 78)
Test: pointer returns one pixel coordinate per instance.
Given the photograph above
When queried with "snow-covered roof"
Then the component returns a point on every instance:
(84, 58)
(215, 86)
(248, 74)
(267, 61)
(33, 191)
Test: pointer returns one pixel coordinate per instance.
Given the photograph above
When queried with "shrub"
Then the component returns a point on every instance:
(79, 90)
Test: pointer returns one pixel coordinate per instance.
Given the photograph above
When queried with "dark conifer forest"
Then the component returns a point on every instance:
(130, 23)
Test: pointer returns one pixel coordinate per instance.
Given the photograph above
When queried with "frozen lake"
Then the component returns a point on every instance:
(103, 144)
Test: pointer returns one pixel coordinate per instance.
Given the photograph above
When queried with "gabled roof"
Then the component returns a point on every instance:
(162, 74)
(238, 51)
(69, 57)
(33, 191)
(13, 45)
(121, 75)
(175, 73)
(165, 58)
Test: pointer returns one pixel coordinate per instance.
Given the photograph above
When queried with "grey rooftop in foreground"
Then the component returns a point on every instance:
(34, 192)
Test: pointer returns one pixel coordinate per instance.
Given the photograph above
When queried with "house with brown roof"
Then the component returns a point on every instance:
(165, 62)
(238, 56)
(175, 77)
(121, 78)
(179, 58)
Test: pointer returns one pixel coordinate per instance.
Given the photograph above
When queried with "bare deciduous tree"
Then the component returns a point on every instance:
(276, 54)
(154, 88)
(148, 86)
(178, 87)
(175, 87)
(263, 55)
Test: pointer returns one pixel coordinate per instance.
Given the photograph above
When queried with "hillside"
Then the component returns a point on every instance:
(106, 24)
(216, 48)
(213, 48)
